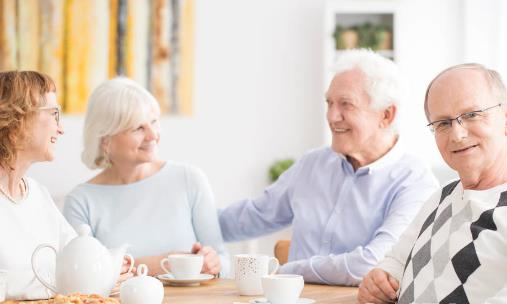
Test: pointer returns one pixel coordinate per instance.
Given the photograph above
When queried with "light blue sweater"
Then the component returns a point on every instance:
(168, 211)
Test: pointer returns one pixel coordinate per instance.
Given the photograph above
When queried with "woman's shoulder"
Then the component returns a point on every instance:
(36, 188)
(80, 193)
(182, 169)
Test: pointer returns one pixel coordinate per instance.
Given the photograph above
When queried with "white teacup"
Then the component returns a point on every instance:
(3, 284)
(282, 288)
(249, 269)
(183, 266)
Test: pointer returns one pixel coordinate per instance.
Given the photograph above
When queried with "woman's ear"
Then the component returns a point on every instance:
(104, 144)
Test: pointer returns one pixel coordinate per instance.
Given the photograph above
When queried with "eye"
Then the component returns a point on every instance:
(471, 115)
(443, 124)
(154, 121)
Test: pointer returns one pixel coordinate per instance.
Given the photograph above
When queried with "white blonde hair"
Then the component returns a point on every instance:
(384, 82)
(114, 106)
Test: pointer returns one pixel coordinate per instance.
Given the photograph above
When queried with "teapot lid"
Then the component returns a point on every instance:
(84, 244)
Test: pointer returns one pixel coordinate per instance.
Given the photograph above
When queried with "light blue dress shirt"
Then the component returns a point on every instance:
(343, 221)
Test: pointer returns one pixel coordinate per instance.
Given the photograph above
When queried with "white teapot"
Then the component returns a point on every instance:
(142, 289)
(84, 265)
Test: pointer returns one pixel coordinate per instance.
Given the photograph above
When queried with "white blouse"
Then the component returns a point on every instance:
(23, 226)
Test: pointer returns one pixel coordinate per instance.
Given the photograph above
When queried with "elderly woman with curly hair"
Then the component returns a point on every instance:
(29, 130)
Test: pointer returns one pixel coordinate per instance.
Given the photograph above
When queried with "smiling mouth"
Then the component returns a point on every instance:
(339, 130)
(464, 149)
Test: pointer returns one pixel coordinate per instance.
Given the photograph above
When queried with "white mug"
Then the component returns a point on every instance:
(3, 284)
(249, 269)
(282, 288)
(183, 266)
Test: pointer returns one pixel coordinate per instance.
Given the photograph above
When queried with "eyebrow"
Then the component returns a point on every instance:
(466, 110)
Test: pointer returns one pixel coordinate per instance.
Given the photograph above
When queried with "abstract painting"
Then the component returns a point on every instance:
(81, 43)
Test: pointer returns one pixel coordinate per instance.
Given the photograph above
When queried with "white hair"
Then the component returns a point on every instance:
(114, 106)
(384, 82)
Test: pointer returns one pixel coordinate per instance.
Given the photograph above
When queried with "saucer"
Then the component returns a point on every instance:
(168, 278)
(265, 301)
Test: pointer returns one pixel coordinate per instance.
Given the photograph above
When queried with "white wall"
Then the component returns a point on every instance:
(258, 91)
(257, 98)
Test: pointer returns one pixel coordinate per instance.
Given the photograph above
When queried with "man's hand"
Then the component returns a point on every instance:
(211, 263)
(378, 286)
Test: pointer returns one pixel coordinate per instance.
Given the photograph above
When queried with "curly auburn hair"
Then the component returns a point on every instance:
(21, 93)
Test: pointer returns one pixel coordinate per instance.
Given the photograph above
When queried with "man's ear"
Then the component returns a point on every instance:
(388, 116)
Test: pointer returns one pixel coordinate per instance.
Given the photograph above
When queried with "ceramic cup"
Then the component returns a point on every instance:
(183, 266)
(282, 288)
(142, 289)
(249, 269)
(3, 284)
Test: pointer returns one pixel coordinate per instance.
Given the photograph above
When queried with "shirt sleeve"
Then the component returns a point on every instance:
(349, 268)
(204, 219)
(75, 212)
(267, 213)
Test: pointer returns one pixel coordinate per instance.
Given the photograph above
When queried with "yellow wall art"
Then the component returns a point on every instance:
(81, 43)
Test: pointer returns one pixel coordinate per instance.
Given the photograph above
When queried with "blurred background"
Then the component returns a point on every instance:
(243, 82)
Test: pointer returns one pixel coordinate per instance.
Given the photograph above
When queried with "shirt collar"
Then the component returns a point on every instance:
(392, 156)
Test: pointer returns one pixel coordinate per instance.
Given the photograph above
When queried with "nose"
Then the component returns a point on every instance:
(334, 114)
(60, 130)
(458, 132)
(151, 133)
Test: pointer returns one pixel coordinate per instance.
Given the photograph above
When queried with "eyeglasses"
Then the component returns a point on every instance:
(444, 125)
(56, 113)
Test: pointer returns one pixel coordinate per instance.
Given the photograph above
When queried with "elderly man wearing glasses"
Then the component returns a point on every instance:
(455, 250)
(347, 203)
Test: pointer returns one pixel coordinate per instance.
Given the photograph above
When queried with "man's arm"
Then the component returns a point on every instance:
(267, 213)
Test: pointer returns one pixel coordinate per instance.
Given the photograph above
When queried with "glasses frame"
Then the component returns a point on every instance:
(58, 110)
(459, 118)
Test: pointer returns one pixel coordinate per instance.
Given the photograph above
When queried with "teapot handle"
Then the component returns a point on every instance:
(34, 266)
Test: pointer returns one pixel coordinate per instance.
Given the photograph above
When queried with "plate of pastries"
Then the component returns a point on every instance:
(75, 298)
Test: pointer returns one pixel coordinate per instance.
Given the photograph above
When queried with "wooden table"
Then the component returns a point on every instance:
(222, 291)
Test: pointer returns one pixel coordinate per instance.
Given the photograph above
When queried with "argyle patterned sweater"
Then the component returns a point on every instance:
(455, 250)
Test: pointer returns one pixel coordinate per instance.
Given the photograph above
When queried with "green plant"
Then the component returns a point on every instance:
(278, 167)
(372, 36)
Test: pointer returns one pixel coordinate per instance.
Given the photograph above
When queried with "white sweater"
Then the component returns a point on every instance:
(455, 250)
(23, 226)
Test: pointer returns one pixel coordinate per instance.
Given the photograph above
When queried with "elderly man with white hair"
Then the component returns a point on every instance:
(347, 203)
(455, 250)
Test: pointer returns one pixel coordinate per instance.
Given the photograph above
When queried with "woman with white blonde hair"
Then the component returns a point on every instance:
(157, 206)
